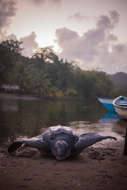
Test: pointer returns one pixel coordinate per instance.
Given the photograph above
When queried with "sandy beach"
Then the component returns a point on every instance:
(98, 167)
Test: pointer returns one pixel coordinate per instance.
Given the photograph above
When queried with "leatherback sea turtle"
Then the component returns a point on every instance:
(61, 142)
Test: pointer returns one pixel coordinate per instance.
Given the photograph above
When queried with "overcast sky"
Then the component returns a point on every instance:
(90, 32)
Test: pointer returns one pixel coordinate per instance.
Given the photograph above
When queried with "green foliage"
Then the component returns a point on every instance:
(9, 55)
(71, 92)
(46, 75)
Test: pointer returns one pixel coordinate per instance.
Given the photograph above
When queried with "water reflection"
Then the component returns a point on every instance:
(27, 116)
(117, 124)
(110, 117)
(121, 126)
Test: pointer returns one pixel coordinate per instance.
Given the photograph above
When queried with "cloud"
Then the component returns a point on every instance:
(29, 44)
(108, 22)
(77, 17)
(97, 48)
(79, 47)
(7, 11)
(45, 1)
(66, 36)
(11, 37)
(37, 1)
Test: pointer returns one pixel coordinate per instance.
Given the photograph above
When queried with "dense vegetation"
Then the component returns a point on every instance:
(120, 81)
(46, 75)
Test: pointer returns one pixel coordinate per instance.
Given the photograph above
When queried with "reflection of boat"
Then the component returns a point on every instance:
(107, 103)
(120, 105)
(110, 117)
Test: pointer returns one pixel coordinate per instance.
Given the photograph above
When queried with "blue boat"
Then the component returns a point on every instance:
(107, 103)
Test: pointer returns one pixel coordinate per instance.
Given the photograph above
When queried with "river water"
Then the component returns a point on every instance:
(26, 116)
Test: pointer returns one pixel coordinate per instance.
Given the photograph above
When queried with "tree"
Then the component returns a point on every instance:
(45, 74)
(12, 46)
(9, 53)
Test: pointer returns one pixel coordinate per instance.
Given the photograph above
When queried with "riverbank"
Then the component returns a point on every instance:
(98, 167)
(19, 95)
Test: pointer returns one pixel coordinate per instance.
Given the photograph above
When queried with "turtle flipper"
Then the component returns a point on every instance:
(14, 146)
(89, 139)
(34, 143)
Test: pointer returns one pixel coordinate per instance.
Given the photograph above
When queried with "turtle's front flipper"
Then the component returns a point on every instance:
(89, 139)
(34, 143)
(14, 146)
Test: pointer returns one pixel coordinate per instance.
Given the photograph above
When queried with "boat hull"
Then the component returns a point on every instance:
(120, 105)
(107, 103)
(121, 112)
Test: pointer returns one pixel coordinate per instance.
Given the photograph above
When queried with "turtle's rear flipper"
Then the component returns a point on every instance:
(14, 146)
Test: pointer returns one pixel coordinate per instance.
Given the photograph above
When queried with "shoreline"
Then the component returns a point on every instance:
(25, 96)
(98, 167)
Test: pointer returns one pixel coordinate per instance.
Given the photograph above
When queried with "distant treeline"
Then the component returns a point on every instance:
(120, 81)
(47, 75)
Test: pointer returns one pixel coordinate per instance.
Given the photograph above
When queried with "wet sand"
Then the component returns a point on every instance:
(99, 167)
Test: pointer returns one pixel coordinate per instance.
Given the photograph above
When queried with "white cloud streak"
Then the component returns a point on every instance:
(44, 1)
(77, 17)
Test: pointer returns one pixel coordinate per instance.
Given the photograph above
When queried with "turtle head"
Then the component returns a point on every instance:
(61, 149)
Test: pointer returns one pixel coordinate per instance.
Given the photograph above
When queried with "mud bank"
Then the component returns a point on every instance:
(98, 167)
